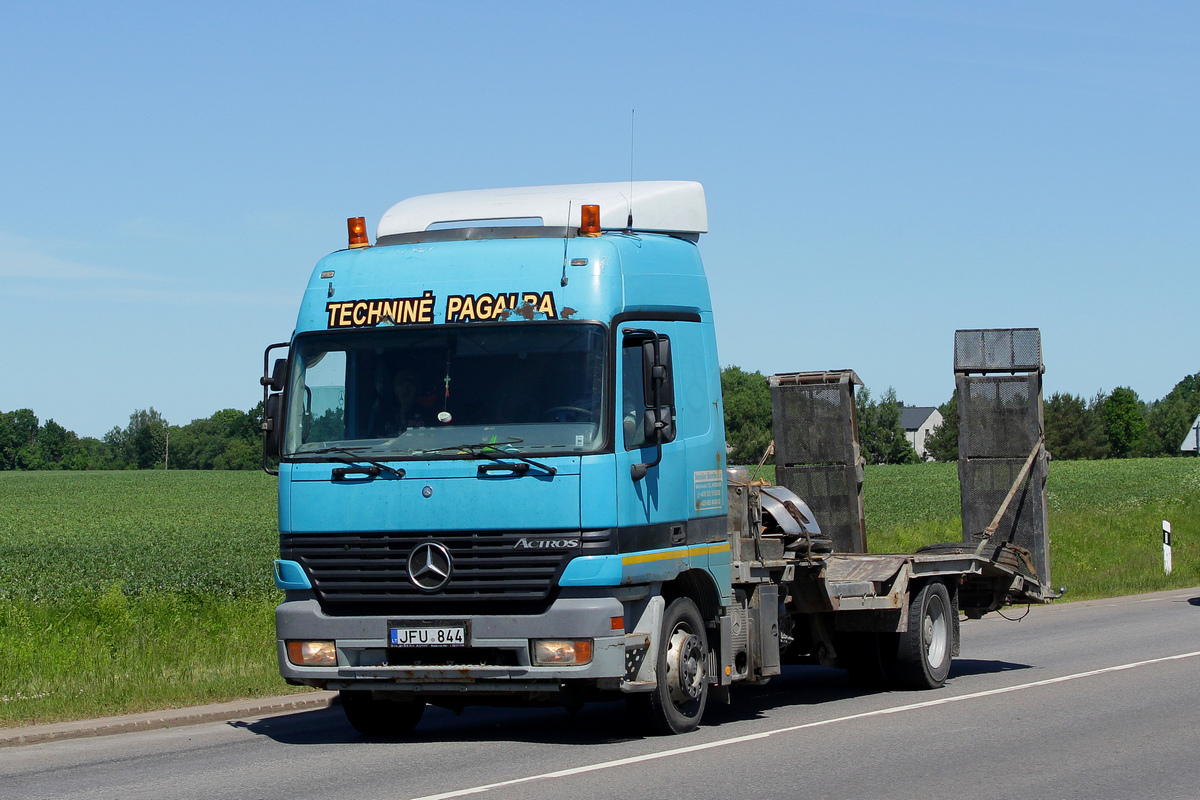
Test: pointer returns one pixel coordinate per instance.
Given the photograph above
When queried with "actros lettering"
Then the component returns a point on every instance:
(545, 544)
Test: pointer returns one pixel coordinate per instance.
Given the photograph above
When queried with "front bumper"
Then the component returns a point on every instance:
(365, 662)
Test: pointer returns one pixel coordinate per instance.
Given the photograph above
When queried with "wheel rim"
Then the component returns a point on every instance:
(685, 666)
(934, 629)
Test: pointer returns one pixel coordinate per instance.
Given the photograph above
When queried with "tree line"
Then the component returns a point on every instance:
(1117, 424)
(229, 439)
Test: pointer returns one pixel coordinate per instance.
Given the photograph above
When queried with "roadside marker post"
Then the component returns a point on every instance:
(1166, 547)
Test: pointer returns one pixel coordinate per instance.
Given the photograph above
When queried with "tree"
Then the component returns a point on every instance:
(1169, 419)
(239, 454)
(235, 424)
(1074, 427)
(230, 439)
(18, 439)
(94, 454)
(747, 400)
(222, 441)
(142, 444)
(880, 434)
(255, 416)
(1124, 421)
(942, 442)
(56, 446)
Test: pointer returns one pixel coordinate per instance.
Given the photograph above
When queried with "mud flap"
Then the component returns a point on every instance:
(648, 629)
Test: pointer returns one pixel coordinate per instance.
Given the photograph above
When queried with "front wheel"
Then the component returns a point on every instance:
(924, 650)
(677, 702)
(373, 716)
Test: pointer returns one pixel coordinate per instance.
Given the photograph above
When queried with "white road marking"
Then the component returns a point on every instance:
(1128, 601)
(679, 751)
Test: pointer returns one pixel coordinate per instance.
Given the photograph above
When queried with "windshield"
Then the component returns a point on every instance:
(405, 393)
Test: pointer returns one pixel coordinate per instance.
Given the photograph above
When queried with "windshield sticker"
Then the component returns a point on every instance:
(459, 308)
(392, 311)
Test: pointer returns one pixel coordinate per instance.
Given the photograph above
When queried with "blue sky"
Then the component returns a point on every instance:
(878, 175)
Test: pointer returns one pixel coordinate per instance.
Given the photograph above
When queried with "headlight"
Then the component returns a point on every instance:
(562, 651)
(312, 654)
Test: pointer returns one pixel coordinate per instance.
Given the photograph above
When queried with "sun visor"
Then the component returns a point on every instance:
(657, 207)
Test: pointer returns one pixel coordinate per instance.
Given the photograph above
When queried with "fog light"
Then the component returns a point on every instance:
(312, 654)
(559, 651)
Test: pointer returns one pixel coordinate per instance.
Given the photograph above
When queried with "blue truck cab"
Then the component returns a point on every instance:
(501, 458)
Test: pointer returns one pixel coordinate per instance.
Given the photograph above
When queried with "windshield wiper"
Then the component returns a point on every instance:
(490, 450)
(354, 459)
(471, 448)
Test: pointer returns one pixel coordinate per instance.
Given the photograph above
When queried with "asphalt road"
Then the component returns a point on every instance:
(1080, 700)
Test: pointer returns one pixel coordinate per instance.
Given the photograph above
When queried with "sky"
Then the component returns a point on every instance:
(878, 175)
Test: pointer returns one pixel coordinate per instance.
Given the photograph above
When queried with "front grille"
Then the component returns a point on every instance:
(367, 573)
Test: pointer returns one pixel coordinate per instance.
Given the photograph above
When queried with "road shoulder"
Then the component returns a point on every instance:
(167, 718)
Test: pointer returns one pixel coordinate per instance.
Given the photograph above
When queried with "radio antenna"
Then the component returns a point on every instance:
(566, 231)
(629, 221)
(446, 398)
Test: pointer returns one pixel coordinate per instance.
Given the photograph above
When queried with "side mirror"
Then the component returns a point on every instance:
(278, 377)
(271, 426)
(659, 425)
(656, 373)
(658, 388)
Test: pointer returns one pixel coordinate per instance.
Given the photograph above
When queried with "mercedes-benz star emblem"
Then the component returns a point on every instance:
(429, 566)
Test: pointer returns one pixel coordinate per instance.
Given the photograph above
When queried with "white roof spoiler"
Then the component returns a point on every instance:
(658, 206)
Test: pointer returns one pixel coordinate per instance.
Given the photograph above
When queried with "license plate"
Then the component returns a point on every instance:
(432, 636)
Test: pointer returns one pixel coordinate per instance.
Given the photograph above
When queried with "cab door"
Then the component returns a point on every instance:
(652, 499)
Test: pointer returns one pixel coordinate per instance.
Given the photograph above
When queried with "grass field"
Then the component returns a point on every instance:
(1105, 519)
(128, 591)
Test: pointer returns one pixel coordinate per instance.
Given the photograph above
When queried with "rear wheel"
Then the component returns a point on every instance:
(372, 716)
(924, 651)
(677, 702)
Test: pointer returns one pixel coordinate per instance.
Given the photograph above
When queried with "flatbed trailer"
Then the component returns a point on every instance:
(856, 610)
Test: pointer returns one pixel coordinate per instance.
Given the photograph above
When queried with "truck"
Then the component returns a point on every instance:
(499, 439)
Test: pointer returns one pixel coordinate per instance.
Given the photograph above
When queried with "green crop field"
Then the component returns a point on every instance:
(1105, 519)
(128, 591)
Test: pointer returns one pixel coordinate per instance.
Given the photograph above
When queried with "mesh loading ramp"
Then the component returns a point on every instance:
(1002, 456)
(817, 453)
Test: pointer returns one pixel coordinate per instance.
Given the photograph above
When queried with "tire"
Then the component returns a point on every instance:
(677, 702)
(373, 716)
(925, 650)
